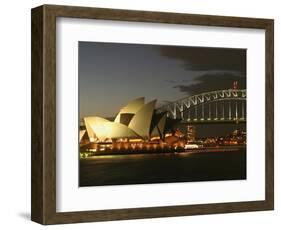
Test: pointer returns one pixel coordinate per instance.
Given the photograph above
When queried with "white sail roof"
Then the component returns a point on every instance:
(132, 107)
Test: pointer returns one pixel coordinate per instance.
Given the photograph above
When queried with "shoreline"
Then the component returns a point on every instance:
(172, 152)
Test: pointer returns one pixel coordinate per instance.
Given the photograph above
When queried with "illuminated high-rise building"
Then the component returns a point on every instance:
(191, 133)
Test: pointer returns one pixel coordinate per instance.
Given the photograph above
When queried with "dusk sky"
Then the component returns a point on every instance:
(112, 74)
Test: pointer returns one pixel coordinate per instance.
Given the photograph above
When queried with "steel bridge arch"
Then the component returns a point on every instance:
(187, 103)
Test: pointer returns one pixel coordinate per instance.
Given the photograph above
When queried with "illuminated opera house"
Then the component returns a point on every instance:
(137, 121)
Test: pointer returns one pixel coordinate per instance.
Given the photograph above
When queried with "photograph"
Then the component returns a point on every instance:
(140, 114)
(160, 113)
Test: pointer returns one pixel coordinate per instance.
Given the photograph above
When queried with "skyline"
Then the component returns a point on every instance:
(112, 73)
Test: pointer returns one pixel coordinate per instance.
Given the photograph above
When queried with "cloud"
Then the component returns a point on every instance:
(205, 58)
(212, 81)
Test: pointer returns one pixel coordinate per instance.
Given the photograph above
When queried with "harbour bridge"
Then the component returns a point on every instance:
(220, 106)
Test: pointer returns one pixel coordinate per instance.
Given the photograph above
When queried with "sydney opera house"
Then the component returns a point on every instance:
(137, 121)
(136, 128)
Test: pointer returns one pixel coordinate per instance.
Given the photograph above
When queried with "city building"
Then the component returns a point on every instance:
(191, 133)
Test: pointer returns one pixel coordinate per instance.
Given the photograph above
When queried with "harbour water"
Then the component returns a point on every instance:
(193, 165)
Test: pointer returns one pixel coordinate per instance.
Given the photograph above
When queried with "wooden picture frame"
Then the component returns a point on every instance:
(43, 208)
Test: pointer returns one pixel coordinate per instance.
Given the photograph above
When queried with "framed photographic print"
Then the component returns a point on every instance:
(141, 114)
